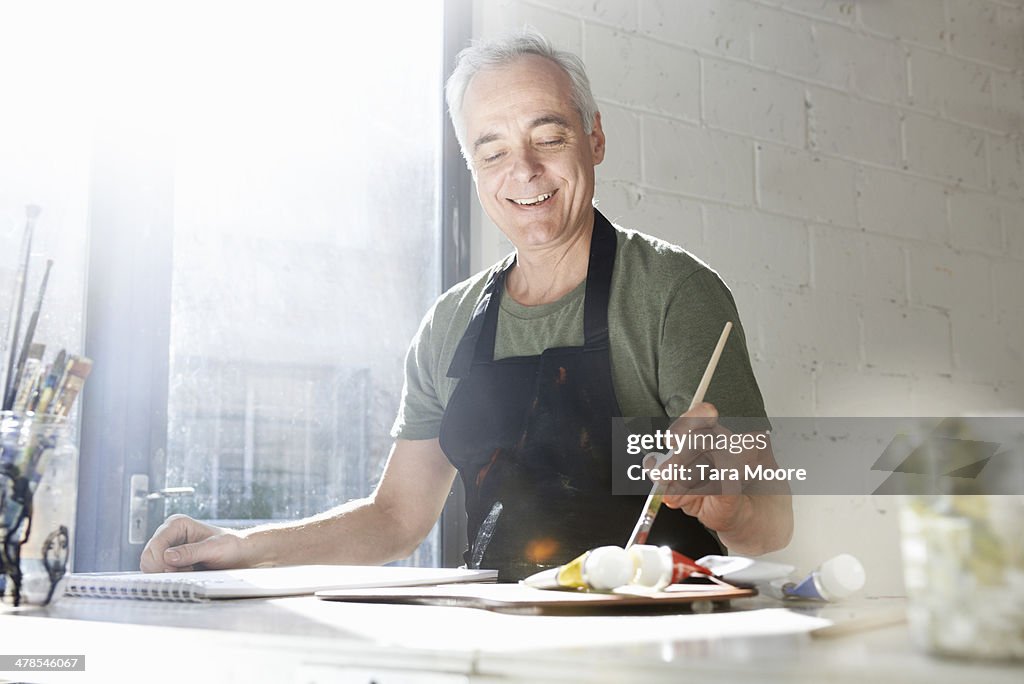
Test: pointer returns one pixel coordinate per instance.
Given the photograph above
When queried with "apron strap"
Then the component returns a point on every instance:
(479, 336)
(599, 283)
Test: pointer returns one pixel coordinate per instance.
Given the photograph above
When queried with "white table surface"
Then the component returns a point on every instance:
(308, 640)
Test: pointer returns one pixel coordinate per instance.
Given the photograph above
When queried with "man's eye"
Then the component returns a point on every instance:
(553, 142)
(490, 158)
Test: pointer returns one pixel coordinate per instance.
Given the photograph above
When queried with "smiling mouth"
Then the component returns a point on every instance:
(534, 201)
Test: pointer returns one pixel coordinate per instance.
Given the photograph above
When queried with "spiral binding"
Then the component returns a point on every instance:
(139, 588)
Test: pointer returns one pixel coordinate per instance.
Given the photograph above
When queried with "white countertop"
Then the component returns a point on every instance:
(308, 640)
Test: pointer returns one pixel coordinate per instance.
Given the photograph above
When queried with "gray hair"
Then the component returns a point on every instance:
(502, 51)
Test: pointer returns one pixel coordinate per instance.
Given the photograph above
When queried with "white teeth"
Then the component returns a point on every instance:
(536, 200)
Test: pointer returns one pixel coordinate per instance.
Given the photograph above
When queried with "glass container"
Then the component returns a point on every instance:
(38, 487)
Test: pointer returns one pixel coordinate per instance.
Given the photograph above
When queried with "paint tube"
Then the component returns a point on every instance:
(834, 579)
(656, 567)
(600, 569)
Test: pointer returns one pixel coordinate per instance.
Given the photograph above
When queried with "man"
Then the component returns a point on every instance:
(516, 373)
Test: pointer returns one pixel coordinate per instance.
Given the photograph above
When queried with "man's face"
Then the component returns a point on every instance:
(531, 159)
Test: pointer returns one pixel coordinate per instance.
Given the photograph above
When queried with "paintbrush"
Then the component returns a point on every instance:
(79, 370)
(49, 385)
(653, 503)
(30, 332)
(30, 379)
(61, 384)
(14, 325)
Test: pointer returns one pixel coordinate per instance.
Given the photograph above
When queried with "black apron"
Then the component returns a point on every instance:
(531, 437)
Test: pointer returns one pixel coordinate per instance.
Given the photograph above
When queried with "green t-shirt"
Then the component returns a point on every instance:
(665, 314)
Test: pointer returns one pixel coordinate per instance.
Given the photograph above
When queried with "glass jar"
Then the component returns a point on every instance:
(38, 487)
(963, 560)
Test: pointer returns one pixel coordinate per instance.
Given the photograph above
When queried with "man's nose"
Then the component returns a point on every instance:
(526, 166)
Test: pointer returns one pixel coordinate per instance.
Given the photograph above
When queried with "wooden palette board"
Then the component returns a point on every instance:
(519, 598)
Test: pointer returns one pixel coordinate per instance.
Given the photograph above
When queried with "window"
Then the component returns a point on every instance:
(263, 188)
(306, 248)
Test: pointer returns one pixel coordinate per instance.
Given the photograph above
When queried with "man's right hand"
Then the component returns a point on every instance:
(383, 527)
(182, 543)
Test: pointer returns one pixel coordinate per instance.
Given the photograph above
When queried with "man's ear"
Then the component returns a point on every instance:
(597, 140)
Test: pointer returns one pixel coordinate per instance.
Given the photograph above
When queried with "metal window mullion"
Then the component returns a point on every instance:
(127, 335)
(456, 186)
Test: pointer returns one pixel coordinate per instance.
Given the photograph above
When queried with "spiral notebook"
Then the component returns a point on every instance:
(296, 580)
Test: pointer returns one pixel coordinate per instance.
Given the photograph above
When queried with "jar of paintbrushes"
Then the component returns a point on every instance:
(38, 458)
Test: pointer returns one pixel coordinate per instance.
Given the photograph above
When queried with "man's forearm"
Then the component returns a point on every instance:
(360, 532)
(764, 524)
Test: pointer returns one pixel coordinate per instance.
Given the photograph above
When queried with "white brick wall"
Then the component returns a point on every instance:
(671, 74)
(753, 102)
(714, 165)
(854, 169)
(850, 127)
(806, 185)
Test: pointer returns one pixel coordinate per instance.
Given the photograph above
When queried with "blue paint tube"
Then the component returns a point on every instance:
(834, 579)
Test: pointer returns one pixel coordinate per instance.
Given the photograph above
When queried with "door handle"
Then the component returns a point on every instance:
(170, 492)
